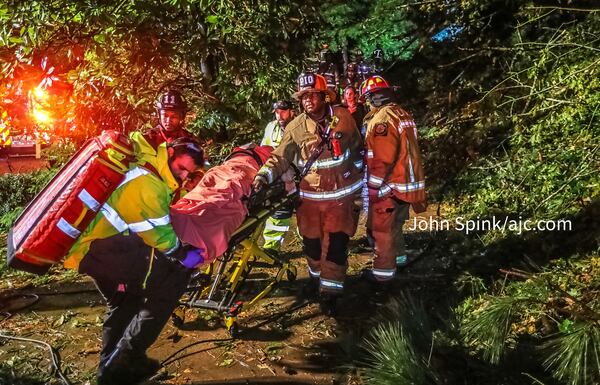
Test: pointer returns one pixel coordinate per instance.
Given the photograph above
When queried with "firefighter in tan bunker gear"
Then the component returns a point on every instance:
(395, 177)
(327, 216)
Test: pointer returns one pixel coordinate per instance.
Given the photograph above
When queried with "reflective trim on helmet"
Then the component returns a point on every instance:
(171, 100)
(332, 194)
(282, 105)
(149, 224)
(68, 228)
(373, 83)
(88, 200)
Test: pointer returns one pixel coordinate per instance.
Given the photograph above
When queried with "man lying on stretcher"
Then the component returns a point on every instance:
(214, 209)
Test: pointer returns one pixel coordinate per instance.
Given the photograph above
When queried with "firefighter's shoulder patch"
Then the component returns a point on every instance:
(381, 129)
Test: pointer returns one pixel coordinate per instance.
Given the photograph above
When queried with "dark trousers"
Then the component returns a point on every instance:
(140, 299)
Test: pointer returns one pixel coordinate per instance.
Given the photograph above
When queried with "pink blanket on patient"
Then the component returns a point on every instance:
(211, 212)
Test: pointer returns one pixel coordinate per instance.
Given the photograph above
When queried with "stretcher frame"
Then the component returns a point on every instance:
(218, 287)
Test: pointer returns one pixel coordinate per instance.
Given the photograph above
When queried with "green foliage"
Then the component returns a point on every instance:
(111, 59)
(560, 303)
(16, 191)
(398, 347)
(394, 360)
(492, 340)
(575, 355)
(367, 25)
(58, 154)
(510, 125)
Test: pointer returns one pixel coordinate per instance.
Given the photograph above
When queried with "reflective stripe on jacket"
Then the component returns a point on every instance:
(140, 204)
(329, 178)
(393, 155)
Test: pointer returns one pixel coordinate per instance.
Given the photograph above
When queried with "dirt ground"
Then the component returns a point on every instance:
(284, 339)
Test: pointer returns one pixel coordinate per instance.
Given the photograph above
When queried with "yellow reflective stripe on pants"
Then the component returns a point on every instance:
(274, 233)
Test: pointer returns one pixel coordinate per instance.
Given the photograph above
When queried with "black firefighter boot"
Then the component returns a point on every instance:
(380, 289)
(125, 368)
(310, 290)
(328, 303)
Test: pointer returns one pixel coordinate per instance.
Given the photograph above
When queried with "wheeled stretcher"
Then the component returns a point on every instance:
(223, 218)
(218, 288)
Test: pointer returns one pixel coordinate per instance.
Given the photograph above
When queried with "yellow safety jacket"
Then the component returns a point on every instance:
(273, 134)
(140, 204)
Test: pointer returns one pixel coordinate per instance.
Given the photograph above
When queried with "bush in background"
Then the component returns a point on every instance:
(16, 191)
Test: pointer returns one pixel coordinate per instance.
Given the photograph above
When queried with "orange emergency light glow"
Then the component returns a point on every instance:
(40, 94)
(41, 116)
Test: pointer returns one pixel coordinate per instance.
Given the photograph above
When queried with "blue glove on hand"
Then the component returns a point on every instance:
(193, 258)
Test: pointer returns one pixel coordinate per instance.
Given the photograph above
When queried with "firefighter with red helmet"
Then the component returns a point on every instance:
(171, 108)
(327, 215)
(395, 177)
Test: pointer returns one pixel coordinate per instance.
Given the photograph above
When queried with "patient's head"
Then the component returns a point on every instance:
(185, 157)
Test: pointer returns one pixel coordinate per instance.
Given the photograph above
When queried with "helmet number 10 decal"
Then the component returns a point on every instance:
(307, 80)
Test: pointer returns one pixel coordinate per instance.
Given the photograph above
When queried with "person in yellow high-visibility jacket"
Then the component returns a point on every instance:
(136, 260)
(279, 223)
